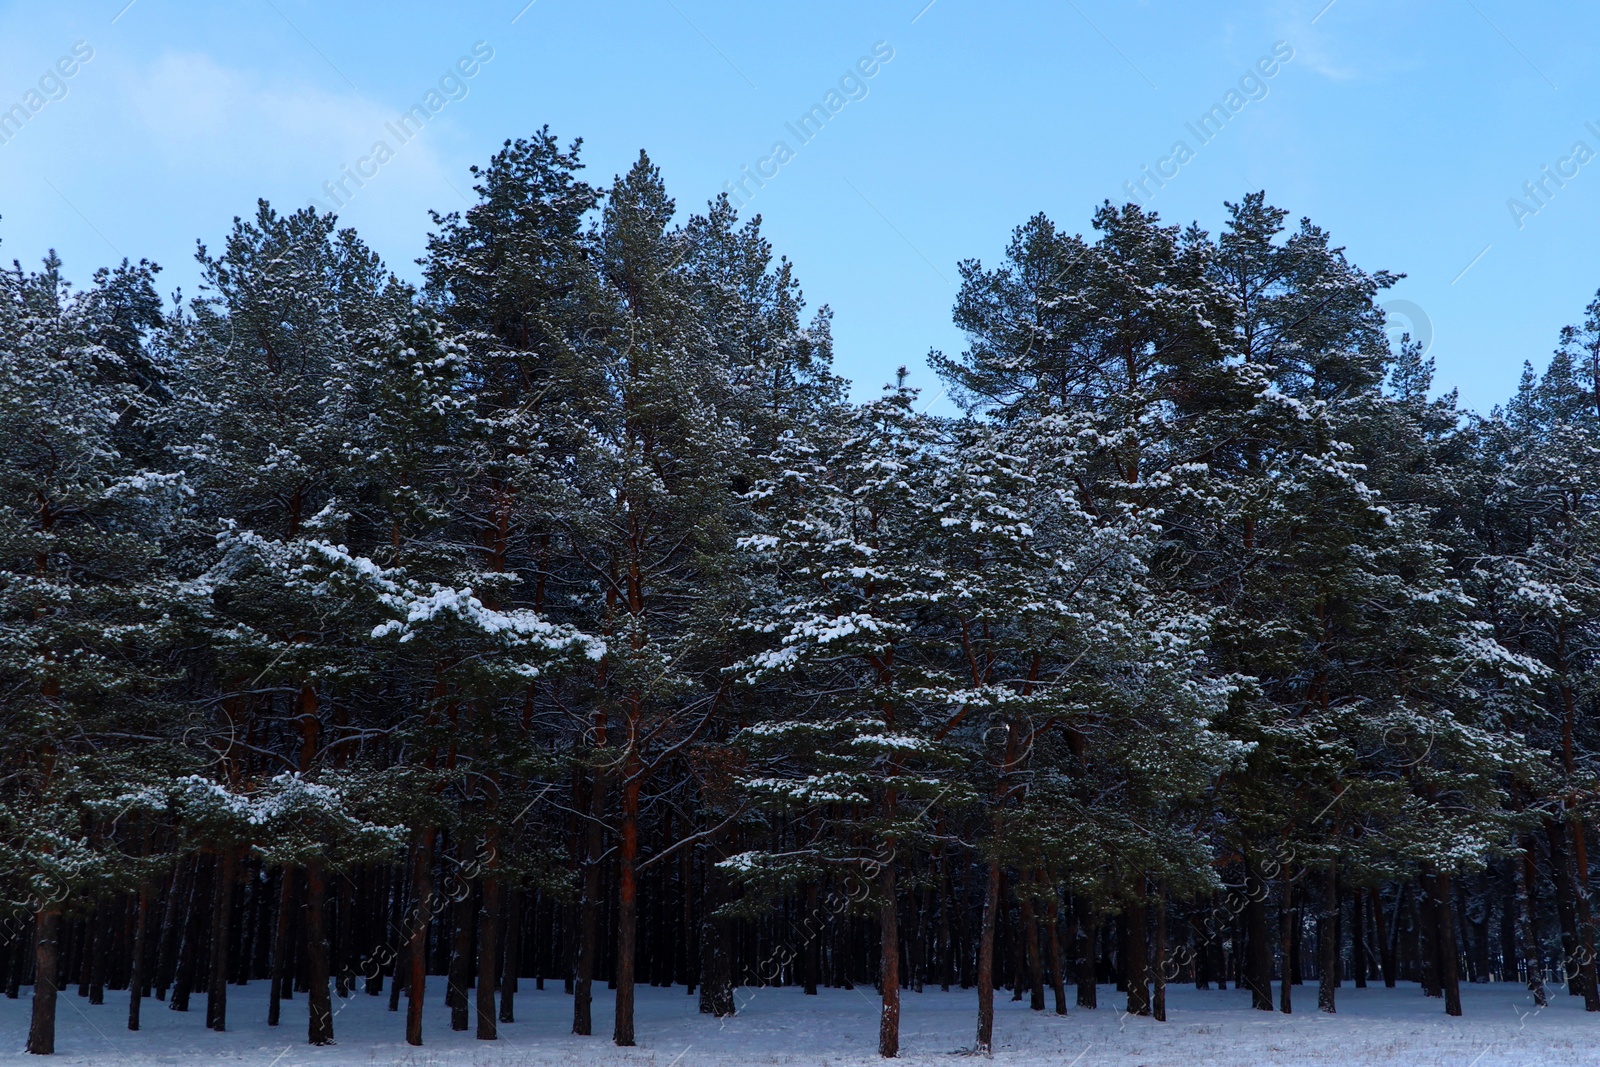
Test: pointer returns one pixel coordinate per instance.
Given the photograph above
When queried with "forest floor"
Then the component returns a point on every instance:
(839, 1029)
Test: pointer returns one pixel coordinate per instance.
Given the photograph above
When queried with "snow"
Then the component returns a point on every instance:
(1501, 1028)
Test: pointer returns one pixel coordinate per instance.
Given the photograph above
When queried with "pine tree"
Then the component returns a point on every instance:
(84, 596)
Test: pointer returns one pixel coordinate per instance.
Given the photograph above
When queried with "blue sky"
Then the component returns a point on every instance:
(1404, 129)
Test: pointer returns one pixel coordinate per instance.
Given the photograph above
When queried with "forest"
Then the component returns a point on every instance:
(560, 618)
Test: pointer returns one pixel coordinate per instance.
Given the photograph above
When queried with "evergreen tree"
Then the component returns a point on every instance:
(84, 598)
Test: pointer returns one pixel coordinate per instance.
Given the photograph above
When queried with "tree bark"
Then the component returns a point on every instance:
(1358, 939)
(460, 966)
(46, 963)
(991, 909)
(1566, 910)
(889, 1021)
(811, 951)
(1088, 934)
(1136, 969)
(221, 929)
(1449, 966)
(1428, 937)
(1058, 982)
(319, 1027)
(627, 901)
(136, 978)
(1258, 946)
(488, 945)
(194, 926)
(1030, 932)
(513, 954)
(421, 918)
(1328, 941)
(716, 948)
(282, 982)
(1386, 946)
(1580, 892)
(1286, 925)
(1527, 916)
(106, 948)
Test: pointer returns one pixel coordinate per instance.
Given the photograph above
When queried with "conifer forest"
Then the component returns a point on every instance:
(559, 622)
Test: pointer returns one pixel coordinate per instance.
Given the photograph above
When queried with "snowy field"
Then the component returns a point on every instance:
(782, 1026)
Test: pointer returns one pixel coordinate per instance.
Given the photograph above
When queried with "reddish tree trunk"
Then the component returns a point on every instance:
(889, 1021)
(319, 1029)
(421, 917)
(46, 963)
(991, 918)
(627, 897)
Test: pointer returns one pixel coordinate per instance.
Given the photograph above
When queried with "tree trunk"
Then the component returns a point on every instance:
(1328, 941)
(1527, 913)
(811, 951)
(1449, 967)
(513, 954)
(1058, 982)
(319, 1028)
(488, 951)
(136, 979)
(282, 982)
(1358, 938)
(1030, 933)
(194, 926)
(1386, 945)
(1258, 946)
(460, 965)
(106, 948)
(221, 929)
(1136, 969)
(170, 929)
(1158, 1003)
(947, 968)
(1088, 936)
(1580, 892)
(889, 1022)
(46, 963)
(1475, 926)
(343, 966)
(1428, 936)
(1566, 910)
(991, 909)
(627, 903)
(1286, 925)
(589, 911)
(421, 918)
(716, 950)
(1509, 956)
(1216, 948)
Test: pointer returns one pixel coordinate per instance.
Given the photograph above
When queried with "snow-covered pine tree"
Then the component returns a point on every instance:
(84, 596)
(863, 753)
(450, 623)
(1334, 600)
(1543, 574)
(1106, 709)
(261, 427)
(1119, 341)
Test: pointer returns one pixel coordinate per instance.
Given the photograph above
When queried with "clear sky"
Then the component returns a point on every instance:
(1404, 128)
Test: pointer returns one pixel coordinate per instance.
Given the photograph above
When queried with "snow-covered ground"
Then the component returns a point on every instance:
(782, 1026)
